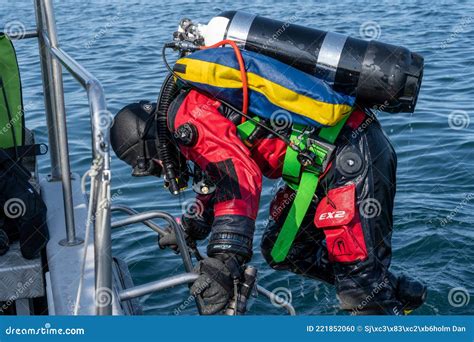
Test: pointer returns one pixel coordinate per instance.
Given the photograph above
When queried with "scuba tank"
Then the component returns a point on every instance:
(379, 75)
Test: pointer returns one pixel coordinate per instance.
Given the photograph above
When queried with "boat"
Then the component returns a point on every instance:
(78, 274)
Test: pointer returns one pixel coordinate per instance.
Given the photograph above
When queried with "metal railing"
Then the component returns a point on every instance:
(180, 279)
(53, 59)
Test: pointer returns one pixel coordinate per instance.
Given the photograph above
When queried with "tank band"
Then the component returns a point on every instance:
(330, 54)
(240, 26)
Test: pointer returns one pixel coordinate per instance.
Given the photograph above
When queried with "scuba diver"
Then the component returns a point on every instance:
(312, 126)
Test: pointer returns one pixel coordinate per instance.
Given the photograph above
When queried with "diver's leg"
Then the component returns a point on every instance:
(361, 188)
(359, 250)
(308, 255)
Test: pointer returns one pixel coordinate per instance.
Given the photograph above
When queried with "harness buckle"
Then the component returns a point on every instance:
(317, 154)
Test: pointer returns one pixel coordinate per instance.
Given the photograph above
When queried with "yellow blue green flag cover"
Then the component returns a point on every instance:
(272, 85)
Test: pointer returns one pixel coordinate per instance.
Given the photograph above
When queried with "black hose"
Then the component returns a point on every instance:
(164, 144)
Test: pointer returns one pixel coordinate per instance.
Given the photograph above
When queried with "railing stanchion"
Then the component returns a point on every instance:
(45, 59)
(61, 127)
(103, 251)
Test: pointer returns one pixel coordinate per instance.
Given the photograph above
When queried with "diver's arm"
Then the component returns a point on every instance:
(215, 147)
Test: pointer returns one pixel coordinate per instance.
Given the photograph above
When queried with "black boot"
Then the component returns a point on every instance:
(410, 292)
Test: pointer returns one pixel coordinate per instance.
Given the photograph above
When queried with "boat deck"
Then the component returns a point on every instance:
(65, 261)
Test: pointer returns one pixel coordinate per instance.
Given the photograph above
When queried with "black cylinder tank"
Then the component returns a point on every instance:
(379, 75)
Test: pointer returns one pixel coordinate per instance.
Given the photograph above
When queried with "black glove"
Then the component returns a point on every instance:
(168, 240)
(215, 285)
(195, 228)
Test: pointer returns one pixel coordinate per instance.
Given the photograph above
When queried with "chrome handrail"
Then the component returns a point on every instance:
(130, 211)
(158, 285)
(179, 233)
(153, 214)
(185, 278)
(53, 58)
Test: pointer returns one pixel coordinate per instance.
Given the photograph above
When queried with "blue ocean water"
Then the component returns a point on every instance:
(120, 42)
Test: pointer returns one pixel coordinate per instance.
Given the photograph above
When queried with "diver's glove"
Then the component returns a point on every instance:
(194, 228)
(4, 242)
(168, 240)
(218, 278)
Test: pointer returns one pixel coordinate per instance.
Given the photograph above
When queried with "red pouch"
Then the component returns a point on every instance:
(337, 215)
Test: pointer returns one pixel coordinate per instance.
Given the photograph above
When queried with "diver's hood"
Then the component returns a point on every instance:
(133, 135)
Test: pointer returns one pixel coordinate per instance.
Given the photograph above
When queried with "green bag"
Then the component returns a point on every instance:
(12, 120)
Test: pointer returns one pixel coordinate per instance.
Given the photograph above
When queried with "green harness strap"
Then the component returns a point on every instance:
(308, 183)
(298, 178)
(246, 129)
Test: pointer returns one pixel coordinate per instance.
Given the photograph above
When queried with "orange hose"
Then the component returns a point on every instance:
(243, 72)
